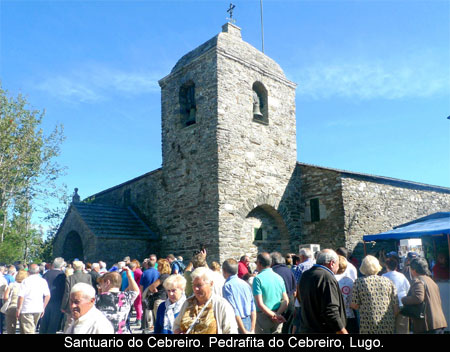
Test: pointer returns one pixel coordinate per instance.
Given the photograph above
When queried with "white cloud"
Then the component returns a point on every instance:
(418, 77)
(91, 84)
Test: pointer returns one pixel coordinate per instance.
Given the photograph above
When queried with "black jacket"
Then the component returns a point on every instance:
(78, 276)
(288, 277)
(322, 305)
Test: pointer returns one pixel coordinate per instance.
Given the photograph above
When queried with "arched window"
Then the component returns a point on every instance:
(260, 107)
(188, 109)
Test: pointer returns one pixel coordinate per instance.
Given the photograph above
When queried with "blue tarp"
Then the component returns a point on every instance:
(434, 224)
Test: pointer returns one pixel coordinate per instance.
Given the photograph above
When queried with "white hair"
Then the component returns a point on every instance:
(58, 263)
(306, 252)
(87, 290)
(33, 269)
(206, 274)
(326, 256)
(95, 266)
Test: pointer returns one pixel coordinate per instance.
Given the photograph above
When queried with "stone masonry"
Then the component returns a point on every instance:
(230, 179)
(353, 205)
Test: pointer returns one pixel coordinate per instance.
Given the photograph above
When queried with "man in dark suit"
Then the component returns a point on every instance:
(51, 321)
(95, 274)
(279, 267)
(78, 276)
(323, 308)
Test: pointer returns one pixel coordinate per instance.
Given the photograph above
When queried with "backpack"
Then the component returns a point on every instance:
(181, 266)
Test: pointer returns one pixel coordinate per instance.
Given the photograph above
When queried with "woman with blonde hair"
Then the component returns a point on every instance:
(169, 310)
(376, 299)
(12, 293)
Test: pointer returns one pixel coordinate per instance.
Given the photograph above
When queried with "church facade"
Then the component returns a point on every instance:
(230, 180)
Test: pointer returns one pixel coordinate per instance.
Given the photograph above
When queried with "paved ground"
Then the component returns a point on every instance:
(135, 328)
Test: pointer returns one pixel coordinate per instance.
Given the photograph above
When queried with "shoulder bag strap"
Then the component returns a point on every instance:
(198, 316)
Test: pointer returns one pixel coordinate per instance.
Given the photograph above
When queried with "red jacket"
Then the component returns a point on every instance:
(242, 269)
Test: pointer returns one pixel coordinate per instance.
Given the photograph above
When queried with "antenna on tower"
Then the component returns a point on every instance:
(262, 25)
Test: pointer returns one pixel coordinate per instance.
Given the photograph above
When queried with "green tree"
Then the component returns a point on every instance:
(54, 215)
(28, 170)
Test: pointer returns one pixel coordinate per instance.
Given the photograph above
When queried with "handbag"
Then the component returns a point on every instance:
(150, 301)
(416, 311)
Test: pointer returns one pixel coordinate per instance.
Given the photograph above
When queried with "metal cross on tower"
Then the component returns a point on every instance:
(230, 11)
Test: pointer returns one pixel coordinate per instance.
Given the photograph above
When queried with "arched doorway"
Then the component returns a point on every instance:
(265, 231)
(73, 247)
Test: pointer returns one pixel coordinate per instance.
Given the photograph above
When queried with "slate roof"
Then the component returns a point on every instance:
(107, 221)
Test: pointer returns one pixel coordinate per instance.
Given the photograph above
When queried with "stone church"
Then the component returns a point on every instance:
(230, 180)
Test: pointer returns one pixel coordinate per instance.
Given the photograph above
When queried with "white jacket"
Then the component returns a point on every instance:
(93, 322)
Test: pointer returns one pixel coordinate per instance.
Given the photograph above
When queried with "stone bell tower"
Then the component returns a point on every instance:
(229, 151)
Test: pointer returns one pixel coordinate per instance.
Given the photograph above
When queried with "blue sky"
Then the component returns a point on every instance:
(373, 78)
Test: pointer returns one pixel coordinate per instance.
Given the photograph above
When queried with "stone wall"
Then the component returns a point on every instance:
(256, 160)
(112, 250)
(352, 205)
(220, 169)
(83, 244)
(324, 185)
(376, 205)
(143, 194)
(189, 205)
(229, 174)
(73, 223)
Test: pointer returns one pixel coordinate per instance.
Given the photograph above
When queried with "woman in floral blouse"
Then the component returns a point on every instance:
(116, 304)
(376, 299)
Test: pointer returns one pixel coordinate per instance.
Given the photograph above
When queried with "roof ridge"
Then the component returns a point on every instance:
(377, 177)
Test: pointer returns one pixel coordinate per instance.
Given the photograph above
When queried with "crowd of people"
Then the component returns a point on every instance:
(322, 292)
